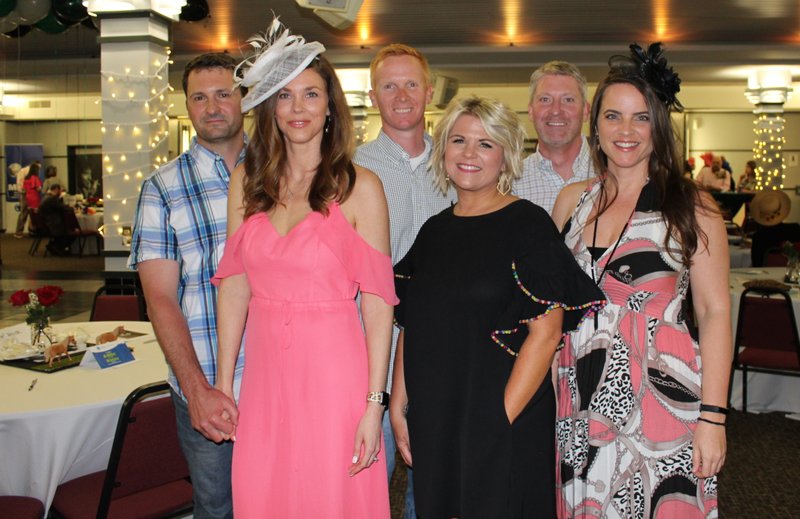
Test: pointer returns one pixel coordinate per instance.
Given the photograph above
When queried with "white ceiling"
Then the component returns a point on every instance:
(474, 41)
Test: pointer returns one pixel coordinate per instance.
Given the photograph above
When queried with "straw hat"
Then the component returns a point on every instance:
(770, 207)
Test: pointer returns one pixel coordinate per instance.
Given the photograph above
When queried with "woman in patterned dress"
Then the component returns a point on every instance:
(641, 417)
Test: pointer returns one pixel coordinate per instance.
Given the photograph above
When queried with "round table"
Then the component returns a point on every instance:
(64, 426)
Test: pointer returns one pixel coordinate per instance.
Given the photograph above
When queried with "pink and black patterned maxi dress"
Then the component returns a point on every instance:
(629, 382)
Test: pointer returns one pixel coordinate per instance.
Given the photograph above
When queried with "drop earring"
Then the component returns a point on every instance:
(327, 124)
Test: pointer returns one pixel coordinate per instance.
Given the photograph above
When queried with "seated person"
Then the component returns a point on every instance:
(714, 178)
(51, 214)
(769, 209)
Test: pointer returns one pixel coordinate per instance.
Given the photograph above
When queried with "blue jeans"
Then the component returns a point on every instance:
(391, 448)
(209, 466)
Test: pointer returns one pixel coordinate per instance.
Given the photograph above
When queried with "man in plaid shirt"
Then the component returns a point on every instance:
(178, 240)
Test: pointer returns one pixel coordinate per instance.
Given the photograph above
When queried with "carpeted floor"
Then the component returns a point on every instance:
(15, 257)
(761, 478)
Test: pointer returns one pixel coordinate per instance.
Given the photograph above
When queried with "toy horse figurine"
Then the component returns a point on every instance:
(58, 349)
(109, 336)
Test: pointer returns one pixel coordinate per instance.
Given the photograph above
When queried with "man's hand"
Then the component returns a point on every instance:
(213, 414)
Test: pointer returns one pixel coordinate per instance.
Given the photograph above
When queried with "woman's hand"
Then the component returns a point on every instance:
(397, 416)
(368, 439)
(709, 448)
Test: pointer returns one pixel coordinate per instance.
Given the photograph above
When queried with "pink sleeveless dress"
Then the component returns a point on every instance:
(305, 377)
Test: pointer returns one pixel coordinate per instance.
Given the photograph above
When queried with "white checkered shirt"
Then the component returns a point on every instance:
(540, 183)
(411, 194)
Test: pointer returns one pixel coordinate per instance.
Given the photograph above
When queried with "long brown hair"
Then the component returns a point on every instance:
(265, 161)
(677, 197)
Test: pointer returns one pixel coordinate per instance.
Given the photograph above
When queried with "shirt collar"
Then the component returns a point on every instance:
(196, 150)
(397, 152)
(581, 162)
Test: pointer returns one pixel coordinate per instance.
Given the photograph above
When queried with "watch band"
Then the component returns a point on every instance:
(380, 397)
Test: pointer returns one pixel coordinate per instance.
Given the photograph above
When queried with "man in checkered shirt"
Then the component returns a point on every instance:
(178, 239)
(557, 108)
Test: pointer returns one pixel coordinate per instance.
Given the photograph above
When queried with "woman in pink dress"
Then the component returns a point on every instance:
(307, 231)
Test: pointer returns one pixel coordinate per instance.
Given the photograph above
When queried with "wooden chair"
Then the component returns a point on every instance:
(147, 475)
(118, 303)
(19, 507)
(766, 340)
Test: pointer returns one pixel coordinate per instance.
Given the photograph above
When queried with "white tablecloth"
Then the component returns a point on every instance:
(764, 392)
(740, 256)
(64, 427)
(88, 222)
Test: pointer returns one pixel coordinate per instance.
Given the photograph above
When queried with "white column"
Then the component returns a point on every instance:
(768, 89)
(134, 67)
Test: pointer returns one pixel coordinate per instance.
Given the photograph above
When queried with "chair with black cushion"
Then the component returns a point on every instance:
(147, 475)
(118, 303)
(19, 507)
(766, 336)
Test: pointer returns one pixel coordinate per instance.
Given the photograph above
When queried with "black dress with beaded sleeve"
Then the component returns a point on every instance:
(468, 287)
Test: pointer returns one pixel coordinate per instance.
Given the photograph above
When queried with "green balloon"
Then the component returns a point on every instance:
(50, 24)
(70, 10)
(6, 6)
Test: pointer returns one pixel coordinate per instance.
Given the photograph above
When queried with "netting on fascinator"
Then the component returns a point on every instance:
(278, 57)
(651, 65)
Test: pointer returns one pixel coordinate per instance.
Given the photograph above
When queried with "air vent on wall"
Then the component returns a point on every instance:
(39, 104)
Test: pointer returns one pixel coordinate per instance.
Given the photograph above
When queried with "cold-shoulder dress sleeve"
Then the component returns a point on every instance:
(547, 277)
(366, 266)
(231, 263)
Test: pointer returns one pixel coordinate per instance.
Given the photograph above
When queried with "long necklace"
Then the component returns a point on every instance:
(610, 256)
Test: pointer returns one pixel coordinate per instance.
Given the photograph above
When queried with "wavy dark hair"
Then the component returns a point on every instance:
(265, 161)
(677, 197)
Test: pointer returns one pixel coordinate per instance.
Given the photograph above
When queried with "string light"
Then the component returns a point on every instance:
(768, 150)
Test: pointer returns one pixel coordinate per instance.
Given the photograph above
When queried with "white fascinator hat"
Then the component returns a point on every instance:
(278, 57)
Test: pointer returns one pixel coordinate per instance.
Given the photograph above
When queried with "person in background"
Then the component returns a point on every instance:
(769, 209)
(747, 180)
(51, 178)
(178, 239)
(641, 419)
(51, 212)
(399, 155)
(486, 291)
(557, 107)
(714, 178)
(24, 208)
(308, 231)
(688, 168)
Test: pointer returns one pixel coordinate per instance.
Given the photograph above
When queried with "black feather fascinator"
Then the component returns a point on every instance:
(652, 66)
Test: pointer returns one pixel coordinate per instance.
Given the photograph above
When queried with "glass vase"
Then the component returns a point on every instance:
(792, 271)
(40, 337)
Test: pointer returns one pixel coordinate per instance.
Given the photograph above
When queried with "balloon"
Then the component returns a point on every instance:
(90, 22)
(6, 6)
(9, 23)
(70, 10)
(194, 11)
(19, 32)
(51, 24)
(31, 11)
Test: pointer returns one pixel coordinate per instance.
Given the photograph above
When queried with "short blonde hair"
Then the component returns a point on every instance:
(557, 68)
(399, 49)
(501, 124)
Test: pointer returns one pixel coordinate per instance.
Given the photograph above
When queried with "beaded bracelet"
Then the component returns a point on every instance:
(706, 420)
(714, 409)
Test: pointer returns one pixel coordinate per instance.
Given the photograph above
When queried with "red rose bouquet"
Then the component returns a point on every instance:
(37, 304)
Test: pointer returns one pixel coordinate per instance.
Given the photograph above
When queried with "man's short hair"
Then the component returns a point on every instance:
(399, 49)
(206, 61)
(557, 68)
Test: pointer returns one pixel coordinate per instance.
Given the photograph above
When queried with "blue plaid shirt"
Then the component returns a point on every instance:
(182, 216)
